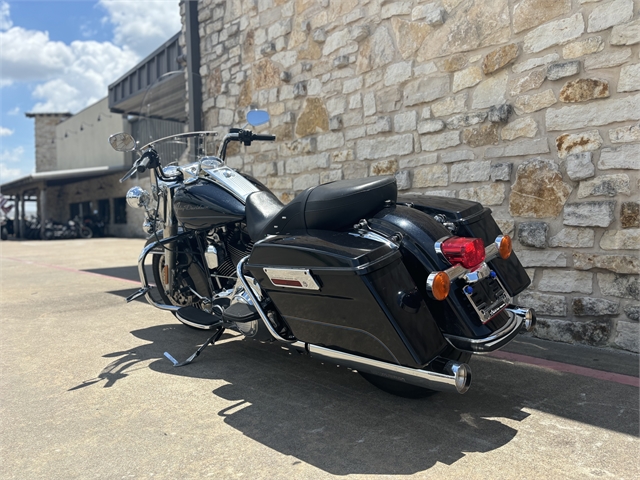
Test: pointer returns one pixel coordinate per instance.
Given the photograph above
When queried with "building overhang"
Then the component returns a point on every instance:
(56, 178)
(162, 72)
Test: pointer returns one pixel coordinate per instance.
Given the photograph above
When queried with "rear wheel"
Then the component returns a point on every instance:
(406, 390)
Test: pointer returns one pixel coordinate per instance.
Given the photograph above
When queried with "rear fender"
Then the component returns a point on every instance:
(420, 232)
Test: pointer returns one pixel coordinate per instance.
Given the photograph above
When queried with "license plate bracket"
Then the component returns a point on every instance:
(488, 298)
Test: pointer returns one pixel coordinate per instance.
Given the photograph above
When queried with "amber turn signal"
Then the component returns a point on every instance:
(439, 285)
(505, 247)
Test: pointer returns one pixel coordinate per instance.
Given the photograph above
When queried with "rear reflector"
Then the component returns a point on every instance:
(467, 252)
(286, 283)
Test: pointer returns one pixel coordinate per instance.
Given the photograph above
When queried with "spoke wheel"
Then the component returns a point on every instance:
(183, 282)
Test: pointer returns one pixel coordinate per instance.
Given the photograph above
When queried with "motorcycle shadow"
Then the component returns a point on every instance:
(332, 418)
(326, 416)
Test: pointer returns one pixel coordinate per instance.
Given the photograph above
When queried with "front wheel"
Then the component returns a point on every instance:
(188, 278)
(406, 390)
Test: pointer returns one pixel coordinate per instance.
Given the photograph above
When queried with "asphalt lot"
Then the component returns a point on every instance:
(85, 392)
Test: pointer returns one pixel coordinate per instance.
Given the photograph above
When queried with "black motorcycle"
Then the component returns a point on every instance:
(403, 289)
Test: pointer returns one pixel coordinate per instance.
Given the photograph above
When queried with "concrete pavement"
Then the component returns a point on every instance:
(85, 392)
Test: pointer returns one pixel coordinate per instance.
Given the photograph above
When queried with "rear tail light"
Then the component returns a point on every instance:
(504, 247)
(468, 252)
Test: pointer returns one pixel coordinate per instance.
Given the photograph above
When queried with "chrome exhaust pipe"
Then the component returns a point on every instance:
(528, 316)
(456, 377)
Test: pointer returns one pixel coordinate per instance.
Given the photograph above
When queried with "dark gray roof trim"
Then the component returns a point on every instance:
(57, 177)
(126, 93)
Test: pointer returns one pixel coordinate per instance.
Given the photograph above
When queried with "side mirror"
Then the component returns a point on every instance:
(122, 142)
(257, 117)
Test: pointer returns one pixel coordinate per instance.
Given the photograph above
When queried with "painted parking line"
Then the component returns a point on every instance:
(568, 368)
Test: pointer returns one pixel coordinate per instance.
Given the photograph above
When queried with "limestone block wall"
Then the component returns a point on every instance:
(530, 107)
(46, 139)
(93, 190)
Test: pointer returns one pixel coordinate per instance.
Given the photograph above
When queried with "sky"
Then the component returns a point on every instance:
(60, 56)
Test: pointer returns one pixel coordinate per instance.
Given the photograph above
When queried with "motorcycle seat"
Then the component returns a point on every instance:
(332, 206)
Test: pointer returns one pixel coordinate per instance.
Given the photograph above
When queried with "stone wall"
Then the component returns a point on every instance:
(530, 107)
(46, 140)
(108, 187)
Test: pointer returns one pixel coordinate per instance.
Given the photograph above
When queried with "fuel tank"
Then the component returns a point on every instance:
(203, 204)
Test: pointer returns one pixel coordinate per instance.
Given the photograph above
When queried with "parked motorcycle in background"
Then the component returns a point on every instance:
(403, 289)
(72, 229)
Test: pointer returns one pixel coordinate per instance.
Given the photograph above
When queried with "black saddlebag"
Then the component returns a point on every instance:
(471, 219)
(349, 292)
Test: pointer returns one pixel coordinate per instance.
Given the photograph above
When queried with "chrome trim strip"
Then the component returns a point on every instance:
(256, 303)
(301, 275)
(422, 378)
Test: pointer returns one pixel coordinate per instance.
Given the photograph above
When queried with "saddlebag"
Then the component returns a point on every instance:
(350, 292)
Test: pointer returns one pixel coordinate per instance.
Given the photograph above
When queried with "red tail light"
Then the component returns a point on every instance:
(467, 252)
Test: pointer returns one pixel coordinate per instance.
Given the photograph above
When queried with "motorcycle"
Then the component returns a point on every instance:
(72, 229)
(404, 289)
(95, 224)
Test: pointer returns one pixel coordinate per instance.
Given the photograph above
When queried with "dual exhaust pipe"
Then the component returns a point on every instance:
(455, 376)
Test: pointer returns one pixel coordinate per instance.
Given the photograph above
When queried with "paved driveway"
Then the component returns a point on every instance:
(85, 392)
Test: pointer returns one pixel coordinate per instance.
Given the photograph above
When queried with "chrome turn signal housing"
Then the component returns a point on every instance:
(138, 197)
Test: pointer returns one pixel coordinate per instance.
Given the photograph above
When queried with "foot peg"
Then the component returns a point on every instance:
(240, 313)
(213, 339)
(139, 293)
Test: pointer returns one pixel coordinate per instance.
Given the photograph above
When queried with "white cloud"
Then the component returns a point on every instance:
(5, 21)
(7, 174)
(143, 25)
(29, 55)
(86, 78)
(14, 111)
(74, 76)
(12, 156)
(5, 132)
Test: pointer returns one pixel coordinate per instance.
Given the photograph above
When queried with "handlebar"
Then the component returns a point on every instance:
(149, 159)
(264, 138)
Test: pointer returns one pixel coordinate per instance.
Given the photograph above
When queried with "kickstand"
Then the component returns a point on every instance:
(214, 338)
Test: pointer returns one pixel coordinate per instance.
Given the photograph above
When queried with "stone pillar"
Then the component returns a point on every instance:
(42, 210)
(17, 221)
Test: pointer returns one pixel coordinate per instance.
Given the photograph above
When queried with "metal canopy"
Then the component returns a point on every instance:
(56, 178)
(126, 94)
